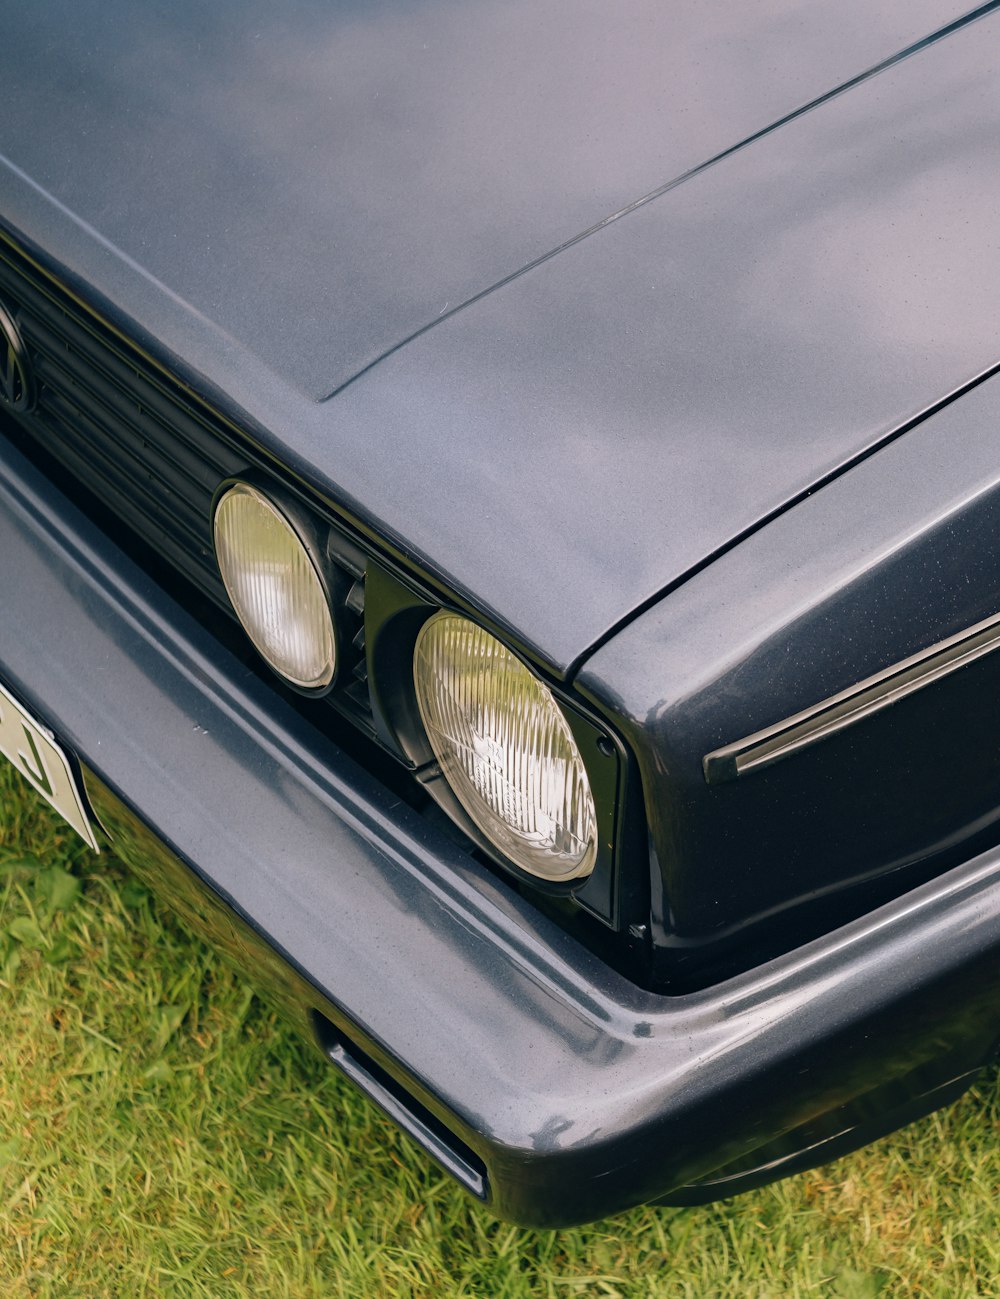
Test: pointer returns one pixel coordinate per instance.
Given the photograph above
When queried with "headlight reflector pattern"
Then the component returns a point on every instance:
(274, 587)
(505, 748)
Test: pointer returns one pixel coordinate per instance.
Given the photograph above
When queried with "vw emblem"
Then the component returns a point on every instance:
(15, 373)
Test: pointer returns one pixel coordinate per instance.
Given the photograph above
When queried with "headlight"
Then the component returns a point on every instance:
(275, 588)
(505, 748)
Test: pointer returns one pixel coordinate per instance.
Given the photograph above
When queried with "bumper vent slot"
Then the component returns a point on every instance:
(454, 1156)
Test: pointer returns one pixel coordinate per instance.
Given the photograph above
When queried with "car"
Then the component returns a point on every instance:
(499, 525)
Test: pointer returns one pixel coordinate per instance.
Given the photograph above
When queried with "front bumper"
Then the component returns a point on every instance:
(550, 1086)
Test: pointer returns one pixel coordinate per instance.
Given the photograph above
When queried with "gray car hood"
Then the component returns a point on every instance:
(285, 195)
(320, 179)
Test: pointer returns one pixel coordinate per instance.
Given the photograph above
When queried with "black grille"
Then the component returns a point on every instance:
(144, 447)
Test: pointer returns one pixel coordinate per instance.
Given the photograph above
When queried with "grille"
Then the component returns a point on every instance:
(146, 449)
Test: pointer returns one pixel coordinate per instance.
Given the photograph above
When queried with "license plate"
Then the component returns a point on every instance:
(34, 752)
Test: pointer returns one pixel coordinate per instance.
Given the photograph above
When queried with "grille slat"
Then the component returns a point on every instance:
(183, 551)
(145, 448)
(68, 327)
(66, 371)
(129, 472)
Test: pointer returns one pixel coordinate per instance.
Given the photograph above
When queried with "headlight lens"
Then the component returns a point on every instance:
(505, 748)
(274, 587)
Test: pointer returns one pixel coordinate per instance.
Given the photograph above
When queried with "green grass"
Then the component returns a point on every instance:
(162, 1133)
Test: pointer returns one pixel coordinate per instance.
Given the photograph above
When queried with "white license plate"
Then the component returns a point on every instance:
(33, 751)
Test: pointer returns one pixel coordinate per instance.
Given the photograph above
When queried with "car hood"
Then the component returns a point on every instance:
(321, 179)
(282, 198)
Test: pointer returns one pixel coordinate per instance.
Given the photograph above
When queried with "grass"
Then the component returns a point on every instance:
(161, 1133)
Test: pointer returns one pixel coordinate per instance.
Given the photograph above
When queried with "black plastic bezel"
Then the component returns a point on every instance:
(394, 616)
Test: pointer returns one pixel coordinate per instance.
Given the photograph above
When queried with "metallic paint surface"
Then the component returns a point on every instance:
(654, 393)
(895, 555)
(322, 179)
(577, 441)
(581, 1093)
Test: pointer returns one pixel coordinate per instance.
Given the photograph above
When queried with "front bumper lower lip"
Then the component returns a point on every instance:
(565, 1090)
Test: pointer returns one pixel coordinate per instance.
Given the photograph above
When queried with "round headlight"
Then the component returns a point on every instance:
(275, 588)
(505, 748)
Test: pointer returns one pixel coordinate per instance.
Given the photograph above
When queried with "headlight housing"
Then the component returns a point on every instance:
(505, 748)
(275, 587)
